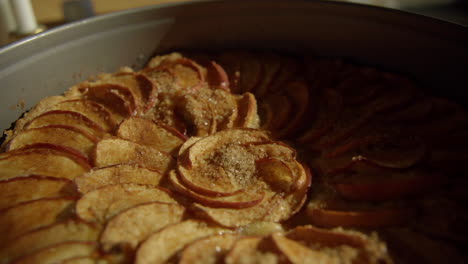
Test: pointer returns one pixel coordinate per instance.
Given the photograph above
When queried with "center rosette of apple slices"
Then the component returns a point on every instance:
(237, 176)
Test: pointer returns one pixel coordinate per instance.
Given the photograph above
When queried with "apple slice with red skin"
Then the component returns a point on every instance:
(276, 173)
(208, 250)
(192, 160)
(68, 118)
(118, 99)
(387, 188)
(271, 65)
(445, 118)
(253, 249)
(68, 230)
(217, 77)
(188, 74)
(326, 73)
(327, 209)
(133, 225)
(397, 91)
(61, 135)
(369, 248)
(289, 70)
(238, 201)
(24, 217)
(103, 203)
(273, 208)
(251, 72)
(414, 112)
(388, 152)
(247, 111)
(149, 133)
(59, 252)
(361, 86)
(43, 159)
(365, 219)
(23, 189)
(92, 110)
(142, 89)
(272, 148)
(327, 237)
(297, 253)
(171, 239)
(298, 92)
(328, 110)
(232, 65)
(114, 151)
(117, 174)
(277, 110)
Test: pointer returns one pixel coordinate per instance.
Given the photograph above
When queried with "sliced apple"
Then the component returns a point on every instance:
(93, 110)
(171, 239)
(118, 99)
(27, 216)
(251, 72)
(68, 230)
(261, 228)
(364, 218)
(239, 200)
(23, 189)
(247, 112)
(59, 252)
(217, 77)
(329, 238)
(139, 85)
(89, 260)
(114, 151)
(328, 110)
(277, 109)
(189, 75)
(398, 91)
(368, 248)
(232, 64)
(161, 59)
(298, 91)
(209, 250)
(413, 112)
(207, 111)
(69, 118)
(298, 253)
(445, 118)
(361, 86)
(272, 208)
(350, 120)
(147, 132)
(103, 203)
(116, 174)
(388, 186)
(276, 173)
(252, 249)
(326, 73)
(289, 70)
(271, 65)
(133, 225)
(391, 153)
(197, 171)
(62, 135)
(42, 159)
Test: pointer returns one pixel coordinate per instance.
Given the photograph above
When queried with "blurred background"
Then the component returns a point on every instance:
(19, 18)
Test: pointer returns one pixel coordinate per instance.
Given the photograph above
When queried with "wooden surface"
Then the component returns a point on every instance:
(50, 11)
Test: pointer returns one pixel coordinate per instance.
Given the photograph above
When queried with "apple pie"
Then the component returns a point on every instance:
(236, 157)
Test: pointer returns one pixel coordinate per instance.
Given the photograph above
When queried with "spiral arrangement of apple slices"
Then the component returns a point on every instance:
(182, 162)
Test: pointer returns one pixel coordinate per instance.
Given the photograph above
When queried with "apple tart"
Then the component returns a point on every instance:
(236, 157)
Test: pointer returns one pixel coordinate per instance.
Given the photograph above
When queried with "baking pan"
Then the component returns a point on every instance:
(431, 51)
